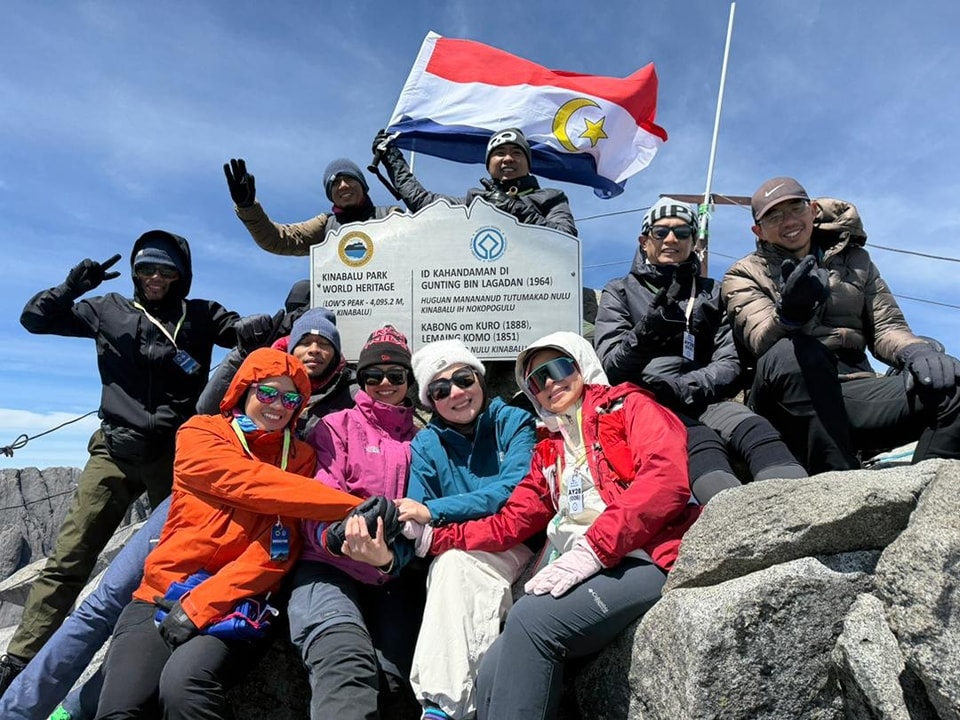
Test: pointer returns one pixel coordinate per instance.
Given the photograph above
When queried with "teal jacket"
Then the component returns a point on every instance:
(462, 478)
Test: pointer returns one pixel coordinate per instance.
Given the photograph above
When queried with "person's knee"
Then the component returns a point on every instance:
(335, 642)
(181, 683)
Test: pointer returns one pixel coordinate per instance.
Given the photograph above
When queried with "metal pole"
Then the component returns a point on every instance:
(704, 209)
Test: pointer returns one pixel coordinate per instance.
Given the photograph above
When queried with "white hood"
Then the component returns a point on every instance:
(576, 347)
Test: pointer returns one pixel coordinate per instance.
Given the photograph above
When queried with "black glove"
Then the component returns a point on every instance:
(176, 628)
(370, 510)
(805, 287)
(933, 370)
(664, 318)
(89, 274)
(256, 331)
(494, 195)
(381, 142)
(241, 183)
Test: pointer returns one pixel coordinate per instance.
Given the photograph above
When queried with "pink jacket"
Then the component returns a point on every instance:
(364, 451)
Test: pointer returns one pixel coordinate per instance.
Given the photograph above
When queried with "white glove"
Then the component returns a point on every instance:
(422, 536)
(570, 569)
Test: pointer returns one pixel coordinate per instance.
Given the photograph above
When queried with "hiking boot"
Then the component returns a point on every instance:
(61, 713)
(10, 667)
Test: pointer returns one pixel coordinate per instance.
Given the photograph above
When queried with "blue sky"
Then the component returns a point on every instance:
(117, 118)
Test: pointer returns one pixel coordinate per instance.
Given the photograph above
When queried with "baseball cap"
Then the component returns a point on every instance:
(775, 191)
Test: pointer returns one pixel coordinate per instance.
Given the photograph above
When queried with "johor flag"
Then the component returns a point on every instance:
(583, 129)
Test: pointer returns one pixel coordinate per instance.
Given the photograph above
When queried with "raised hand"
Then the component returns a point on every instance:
(806, 286)
(89, 274)
(241, 183)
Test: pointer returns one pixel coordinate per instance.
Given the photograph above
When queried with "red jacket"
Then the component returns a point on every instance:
(638, 459)
(224, 502)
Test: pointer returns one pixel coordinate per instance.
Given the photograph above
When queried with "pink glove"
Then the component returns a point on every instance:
(422, 536)
(570, 569)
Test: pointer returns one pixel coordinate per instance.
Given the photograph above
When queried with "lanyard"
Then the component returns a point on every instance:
(243, 441)
(693, 296)
(151, 318)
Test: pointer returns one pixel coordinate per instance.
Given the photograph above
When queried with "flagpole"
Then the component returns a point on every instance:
(704, 209)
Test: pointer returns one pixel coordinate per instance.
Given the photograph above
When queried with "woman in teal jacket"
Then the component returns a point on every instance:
(465, 463)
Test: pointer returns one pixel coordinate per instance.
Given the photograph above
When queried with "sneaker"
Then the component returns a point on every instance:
(61, 713)
(10, 667)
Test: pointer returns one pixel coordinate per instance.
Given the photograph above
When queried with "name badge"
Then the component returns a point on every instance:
(688, 345)
(186, 363)
(575, 493)
(279, 542)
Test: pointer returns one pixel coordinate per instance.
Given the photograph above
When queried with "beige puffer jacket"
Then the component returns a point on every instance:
(860, 314)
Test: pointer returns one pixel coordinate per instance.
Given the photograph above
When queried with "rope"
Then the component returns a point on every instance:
(22, 440)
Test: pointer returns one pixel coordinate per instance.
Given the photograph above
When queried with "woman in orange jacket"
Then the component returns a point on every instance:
(241, 481)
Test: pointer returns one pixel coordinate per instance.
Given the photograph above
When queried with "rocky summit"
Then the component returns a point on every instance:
(833, 597)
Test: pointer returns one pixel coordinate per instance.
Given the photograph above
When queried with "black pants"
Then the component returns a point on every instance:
(144, 679)
(825, 422)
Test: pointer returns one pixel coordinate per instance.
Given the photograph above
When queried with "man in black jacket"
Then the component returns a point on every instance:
(510, 188)
(153, 354)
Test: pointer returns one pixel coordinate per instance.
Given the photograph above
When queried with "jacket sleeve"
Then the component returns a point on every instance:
(252, 573)
(331, 472)
(224, 324)
(515, 430)
(53, 312)
(414, 195)
(553, 212)
(527, 511)
(217, 470)
(290, 239)
(621, 353)
(752, 311)
(890, 331)
(659, 490)
(219, 382)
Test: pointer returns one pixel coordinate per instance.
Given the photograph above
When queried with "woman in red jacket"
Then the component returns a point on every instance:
(610, 486)
(240, 480)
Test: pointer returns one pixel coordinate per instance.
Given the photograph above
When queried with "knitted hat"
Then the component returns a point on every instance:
(385, 345)
(316, 321)
(342, 166)
(436, 357)
(773, 192)
(160, 249)
(510, 136)
(667, 207)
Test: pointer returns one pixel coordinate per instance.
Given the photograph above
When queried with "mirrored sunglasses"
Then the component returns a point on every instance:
(556, 370)
(441, 389)
(268, 395)
(680, 232)
(375, 376)
(164, 271)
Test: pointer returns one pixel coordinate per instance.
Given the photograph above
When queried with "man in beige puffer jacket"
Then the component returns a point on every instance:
(805, 307)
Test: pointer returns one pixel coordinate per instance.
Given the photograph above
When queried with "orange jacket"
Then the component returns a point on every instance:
(225, 502)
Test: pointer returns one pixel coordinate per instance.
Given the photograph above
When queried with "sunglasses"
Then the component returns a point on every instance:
(680, 232)
(462, 378)
(375, 376)
(164, 271)
(268, 395)
(556, 370)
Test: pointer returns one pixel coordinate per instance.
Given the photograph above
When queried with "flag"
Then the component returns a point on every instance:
(583, 129)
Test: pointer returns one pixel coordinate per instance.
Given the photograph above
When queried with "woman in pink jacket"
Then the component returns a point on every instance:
(610, 487)
(353, 615)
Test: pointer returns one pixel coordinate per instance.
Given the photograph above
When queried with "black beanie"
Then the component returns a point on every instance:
(386, 345)
(342, 166)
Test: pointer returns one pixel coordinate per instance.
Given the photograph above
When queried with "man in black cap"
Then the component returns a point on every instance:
(510, 186)
(344, 185)
(805, 307)
(153, 353)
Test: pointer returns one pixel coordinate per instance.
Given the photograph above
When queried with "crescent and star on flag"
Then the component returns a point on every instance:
(593, 129)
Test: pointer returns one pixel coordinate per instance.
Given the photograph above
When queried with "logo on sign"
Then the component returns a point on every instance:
(488, 244)
(355, 249)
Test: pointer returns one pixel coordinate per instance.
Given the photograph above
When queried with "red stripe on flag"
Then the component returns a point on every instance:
(467, 61)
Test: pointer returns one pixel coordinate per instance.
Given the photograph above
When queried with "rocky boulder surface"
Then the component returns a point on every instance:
(834, 597)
